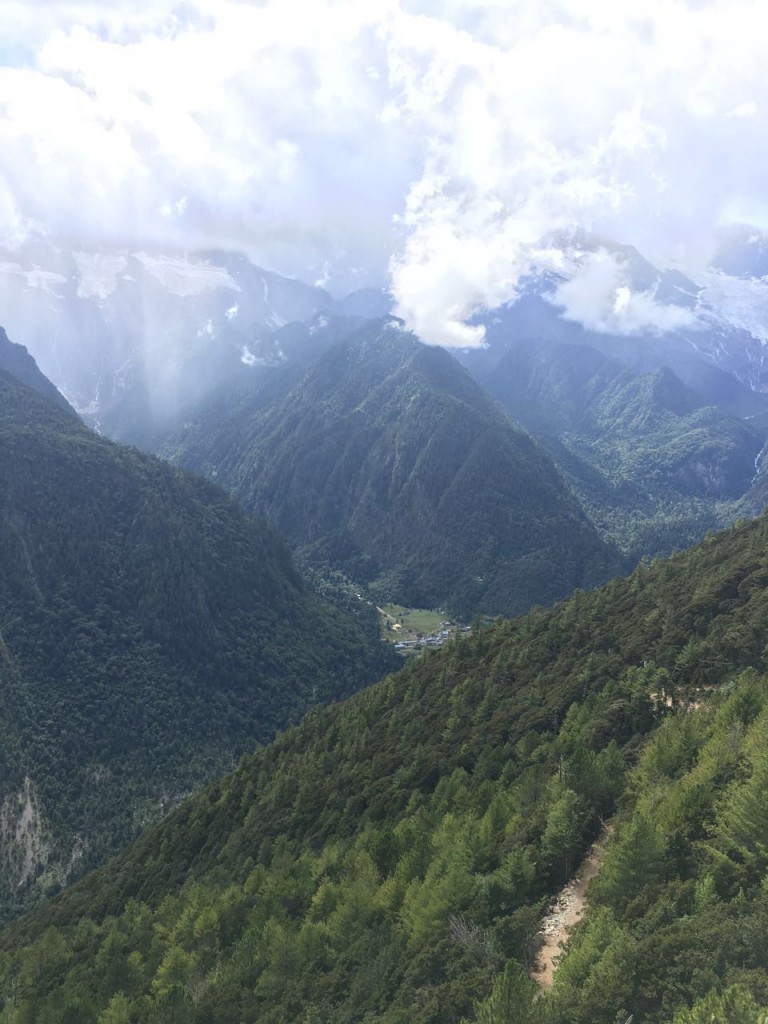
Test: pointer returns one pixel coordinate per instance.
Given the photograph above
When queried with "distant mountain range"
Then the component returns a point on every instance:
(133, 338)
(710, 332)
(643, 385)
(157, 330)
(654, 463)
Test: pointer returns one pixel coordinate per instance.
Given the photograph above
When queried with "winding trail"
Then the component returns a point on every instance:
(566, 910)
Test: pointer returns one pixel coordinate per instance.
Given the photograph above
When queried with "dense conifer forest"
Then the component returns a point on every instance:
(151, 634)
(390, 859)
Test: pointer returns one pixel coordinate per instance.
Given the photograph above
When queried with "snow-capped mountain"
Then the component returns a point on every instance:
(135, 337)
(143, 334)
(710, 328)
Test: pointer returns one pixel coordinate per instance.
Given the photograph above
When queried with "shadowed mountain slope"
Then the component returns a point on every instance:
(388, 461)
(16, 360)
(151, 632)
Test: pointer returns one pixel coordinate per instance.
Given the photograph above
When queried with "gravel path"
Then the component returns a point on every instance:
(566, 910)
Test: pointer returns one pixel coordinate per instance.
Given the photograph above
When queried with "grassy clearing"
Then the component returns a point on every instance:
(399, 623)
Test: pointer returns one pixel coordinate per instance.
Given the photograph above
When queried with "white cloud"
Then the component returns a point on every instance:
(443, 141)
(599, 294)
(98, 273)
(746, 109)
(251, 126)
(588, 117)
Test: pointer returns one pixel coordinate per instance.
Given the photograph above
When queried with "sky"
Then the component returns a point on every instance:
(442, 149)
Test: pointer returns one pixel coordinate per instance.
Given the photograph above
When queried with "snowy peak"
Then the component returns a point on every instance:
(130, 335)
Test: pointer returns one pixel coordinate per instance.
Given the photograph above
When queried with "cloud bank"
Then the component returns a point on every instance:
(437, 147)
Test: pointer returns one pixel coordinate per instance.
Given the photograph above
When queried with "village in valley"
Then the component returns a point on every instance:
(413, 629)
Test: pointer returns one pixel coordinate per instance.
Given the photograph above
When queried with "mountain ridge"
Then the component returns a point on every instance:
(16, 360)
(387, 460)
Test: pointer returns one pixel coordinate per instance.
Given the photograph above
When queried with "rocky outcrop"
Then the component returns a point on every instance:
(24, 846)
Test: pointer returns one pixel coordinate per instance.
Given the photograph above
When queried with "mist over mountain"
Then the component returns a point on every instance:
(146, 340)
(387, 461)
(436, 150)
(742, 252)
(132, 337)
(710, 331)
(262, 239)
(151, 634)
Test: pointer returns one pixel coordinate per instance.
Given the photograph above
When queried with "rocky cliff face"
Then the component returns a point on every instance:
(24, 845)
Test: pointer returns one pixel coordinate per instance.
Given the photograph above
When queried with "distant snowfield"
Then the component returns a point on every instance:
(98, 273)
(34, 277)
(181, 277)
(742, 302)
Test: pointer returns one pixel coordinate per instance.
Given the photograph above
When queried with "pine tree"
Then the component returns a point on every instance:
(512, 1001)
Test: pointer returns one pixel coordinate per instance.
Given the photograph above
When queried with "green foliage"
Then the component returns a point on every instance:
(735, 1006)
(563, 833)
(118, 1011)
(389, 859)
(680, 908)
(388, 462)
(512, 1001)
(151, 633)
(636, 862)
(655, 467)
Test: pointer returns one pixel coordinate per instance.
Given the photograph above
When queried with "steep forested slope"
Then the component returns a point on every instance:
(150, 633)
(679, 913)
(387, 860)
(386, 460)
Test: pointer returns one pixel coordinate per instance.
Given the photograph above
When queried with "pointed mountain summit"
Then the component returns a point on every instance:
(387, 461)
